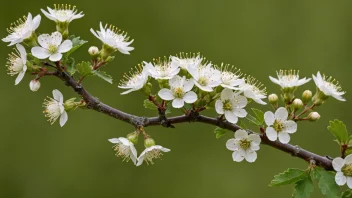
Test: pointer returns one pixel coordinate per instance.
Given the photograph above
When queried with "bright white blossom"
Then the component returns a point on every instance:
(34, 85)
(124, 149)
(136, 79)
(162, 69)
(51, 47)
(151, 153)
(22, 29)
(343, 168)
(254, 90)
(62, 13)
(329, 86)
(206, 77)
(184, 60)
(289, 79)
(54, 108)
(114, 38)
(279, 126)
(16, 63)
(231, 77)
(231, 104)
(244, 146)
(179, 92)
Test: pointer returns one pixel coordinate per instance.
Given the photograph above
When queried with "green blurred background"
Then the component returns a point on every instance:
(43, 161)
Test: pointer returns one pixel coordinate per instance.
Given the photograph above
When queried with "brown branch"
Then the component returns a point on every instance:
(192, 116)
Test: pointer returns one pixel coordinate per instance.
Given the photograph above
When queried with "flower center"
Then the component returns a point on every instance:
(347, 170)
(153, 154)
(52, 48)
(178, 92)
(227, 105)
(52, 111)
(122, 151)
(278, 126)
(245, 144)
(203, 81)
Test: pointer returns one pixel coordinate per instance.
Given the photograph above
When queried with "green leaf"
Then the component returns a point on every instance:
(338, 129)
(326, 183)
(259, 115)
(168, 109)
(253, 120)
(347, 194)
(242, 125)
(149, 105)
(219, 132)
(290, 176)
(71, 67)
(303, 188)
(103, 75)
(76, 44)
(85, 69)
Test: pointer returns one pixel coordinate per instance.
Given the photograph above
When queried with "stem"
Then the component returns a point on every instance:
(94, 104)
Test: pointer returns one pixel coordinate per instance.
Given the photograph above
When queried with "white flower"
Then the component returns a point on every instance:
(343, 168)
(205, 76)
(179, 92)
(22, 29)
(16, 63)
(254, 90)
(34, 85)
(329, 86)
(244, 146)
(289, 79)
(135, 81)
(279, 126)
(162, 69)
(150, 153)
(183, 60)
(52, 47)
(54, 108)
(62, 13)
(231, 105)
(114, 38)
(230, 77)
(124, 149)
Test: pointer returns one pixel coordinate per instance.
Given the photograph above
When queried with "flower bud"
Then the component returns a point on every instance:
(306, 96)
(70, 104)
(133, 137)
(147, 89)
(297, 104)
(313, 116)
(273, 99)
(34, 85)
(93, 51)
(149, 142)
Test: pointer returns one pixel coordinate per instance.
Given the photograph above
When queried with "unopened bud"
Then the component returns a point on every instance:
(306, 96)
(147, 89)
(149, 142)
(314, 116)
(273, 99)
(70, 104)
(297, 104)
(93, 51)
(34, 85)
(133, 137)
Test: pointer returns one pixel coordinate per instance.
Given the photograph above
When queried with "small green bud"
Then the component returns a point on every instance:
(62, 27)
(147, 89)
(109, 59)
(70, 104)
(313, 116)
(149, 142)
(273, 99)
(133, 137)
(105, 52)
(306, 96)
(297, 104)
(163, 83)
(93, 52)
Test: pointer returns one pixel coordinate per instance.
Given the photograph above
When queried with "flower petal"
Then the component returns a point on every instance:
(271, 133)
(178, 103)
(349, 182)
(55, 57)
(63, 118)
(190, 97)
(348, 159)
(177, 81)
(36, 22)
(44, 40)
(188, 85)
(40, 52)
(56, 38)
(241, 134)
(281, 114)
(20, 77)
(23, 53)
(65, 46)
(227, 94)
(269, 118)
(239, 101)
(231, 117)
(58, 96)
(231, 144)
(219, 107)
(254, 138)
(238, 155)
(240, 113)
(290, 126)
(250, 155)
(114, 140)
(284, 137)
(340, 179)
(338, 163)
(166, 94)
